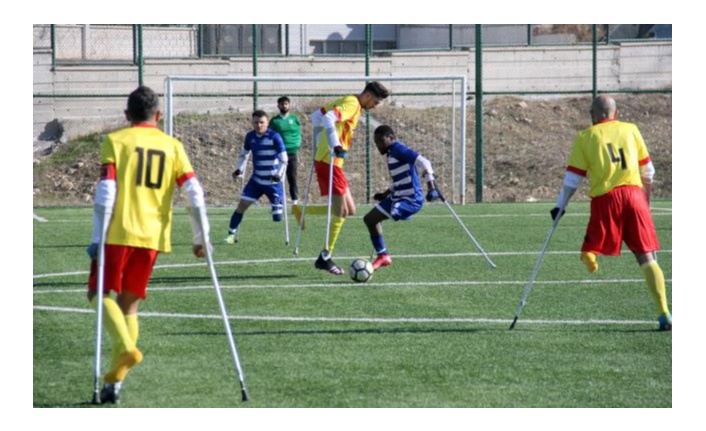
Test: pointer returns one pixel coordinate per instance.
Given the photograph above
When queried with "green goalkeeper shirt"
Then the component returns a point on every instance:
(288, 127)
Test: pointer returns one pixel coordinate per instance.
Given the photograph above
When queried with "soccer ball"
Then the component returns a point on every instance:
(361, 270)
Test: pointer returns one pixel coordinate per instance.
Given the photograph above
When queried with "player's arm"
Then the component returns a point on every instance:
(240, 164)
(103, 202)
(572, 181)
(283, 160)
(328, 122)
(424, 165)
(647, 174)
(197, 212)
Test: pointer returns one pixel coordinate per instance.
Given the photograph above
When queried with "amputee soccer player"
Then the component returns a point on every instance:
(140, 167)
(404, 198)
(287, 125)
(614, 156)
(269, 164)
(334, 125)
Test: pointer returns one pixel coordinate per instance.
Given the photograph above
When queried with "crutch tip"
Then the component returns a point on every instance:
(246, 398)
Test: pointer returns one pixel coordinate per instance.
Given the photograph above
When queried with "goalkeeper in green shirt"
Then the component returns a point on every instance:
(287, 125)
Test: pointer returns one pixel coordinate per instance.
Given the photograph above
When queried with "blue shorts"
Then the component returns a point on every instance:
(398, 210)
(274, 192)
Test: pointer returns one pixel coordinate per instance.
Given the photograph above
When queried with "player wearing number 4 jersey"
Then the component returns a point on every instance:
(613, 155)
(140, 167)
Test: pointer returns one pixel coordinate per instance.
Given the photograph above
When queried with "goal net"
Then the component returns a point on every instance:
(212, 114)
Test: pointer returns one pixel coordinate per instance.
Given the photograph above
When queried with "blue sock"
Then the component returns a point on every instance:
(379, 244)
(235, 220)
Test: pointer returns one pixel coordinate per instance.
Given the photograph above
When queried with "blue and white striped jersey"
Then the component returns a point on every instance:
(266, 150)
(405, 180)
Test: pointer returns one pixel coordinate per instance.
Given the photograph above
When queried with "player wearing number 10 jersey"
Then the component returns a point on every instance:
(140, 168)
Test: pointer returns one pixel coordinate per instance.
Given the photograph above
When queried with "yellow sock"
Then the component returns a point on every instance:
(114, 322)
(336, 225)
(655, 283)
(589, 259)
(133, 327)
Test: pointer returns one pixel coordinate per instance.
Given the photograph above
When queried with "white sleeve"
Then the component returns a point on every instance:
(647, 172)
(197, 210)
(425, 165)
(329, 123)
(242, 160)
(571, 182)
(103, 202)
(284, 159)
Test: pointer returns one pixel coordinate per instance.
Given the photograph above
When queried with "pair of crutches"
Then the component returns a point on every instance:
(306, 196)
(200, 216)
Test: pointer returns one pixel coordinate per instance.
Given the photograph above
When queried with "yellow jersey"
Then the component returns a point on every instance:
(146, 164)
(347, 110)
(610, 153)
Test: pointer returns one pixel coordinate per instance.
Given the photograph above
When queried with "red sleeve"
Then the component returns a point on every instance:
(577, 171)
(108, 171)
(182, 179)
(644, 161)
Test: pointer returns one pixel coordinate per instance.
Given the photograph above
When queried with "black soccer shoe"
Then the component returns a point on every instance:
(110, 394)
(325, 263)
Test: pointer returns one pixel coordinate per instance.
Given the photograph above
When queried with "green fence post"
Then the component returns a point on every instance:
(254, 67)
(140, 57)
(52, 35)
(479, 113)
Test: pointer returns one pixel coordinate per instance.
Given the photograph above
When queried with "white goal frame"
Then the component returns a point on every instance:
(458, 85)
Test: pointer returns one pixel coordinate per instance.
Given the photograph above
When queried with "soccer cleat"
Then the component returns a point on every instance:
(665, 322)
(298, 215)
(589, 259)
(230, 239)
(382, 260)
(324, 262)
(110, 394)
(126, 361)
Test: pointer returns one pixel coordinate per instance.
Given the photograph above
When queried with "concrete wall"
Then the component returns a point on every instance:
(638, 66)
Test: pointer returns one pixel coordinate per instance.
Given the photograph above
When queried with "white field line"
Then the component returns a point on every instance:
(657, 212)
(82, 289)
(360, 319)
(308, 259)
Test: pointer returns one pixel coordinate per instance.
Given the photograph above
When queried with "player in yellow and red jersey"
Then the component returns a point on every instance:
(140, 167)
(334, 125)
(613, 155)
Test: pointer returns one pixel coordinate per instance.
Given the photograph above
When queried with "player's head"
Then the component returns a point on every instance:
(283, 104)
(373, 93)
(383, 136)
(260, 121)
(142, 106)
(603, 108)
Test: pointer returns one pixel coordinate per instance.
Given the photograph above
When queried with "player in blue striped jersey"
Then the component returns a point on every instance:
(269, 164)
(405, 197)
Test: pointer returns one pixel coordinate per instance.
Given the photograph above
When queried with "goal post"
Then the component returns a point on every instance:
(210, 114)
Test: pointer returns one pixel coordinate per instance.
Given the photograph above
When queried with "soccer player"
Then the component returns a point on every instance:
(140, 167)
(287, 125)
(614, 157)
(334, 125)
(404, 198)
(269, 164)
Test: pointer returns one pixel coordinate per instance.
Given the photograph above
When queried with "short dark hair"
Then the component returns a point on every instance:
(384, 131)
(283, 99)
(142, 104)
(259, 114)
(377, 89)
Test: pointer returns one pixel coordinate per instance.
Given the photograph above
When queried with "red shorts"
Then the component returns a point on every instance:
(126, 268)
(340, 184)
(622, 214)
